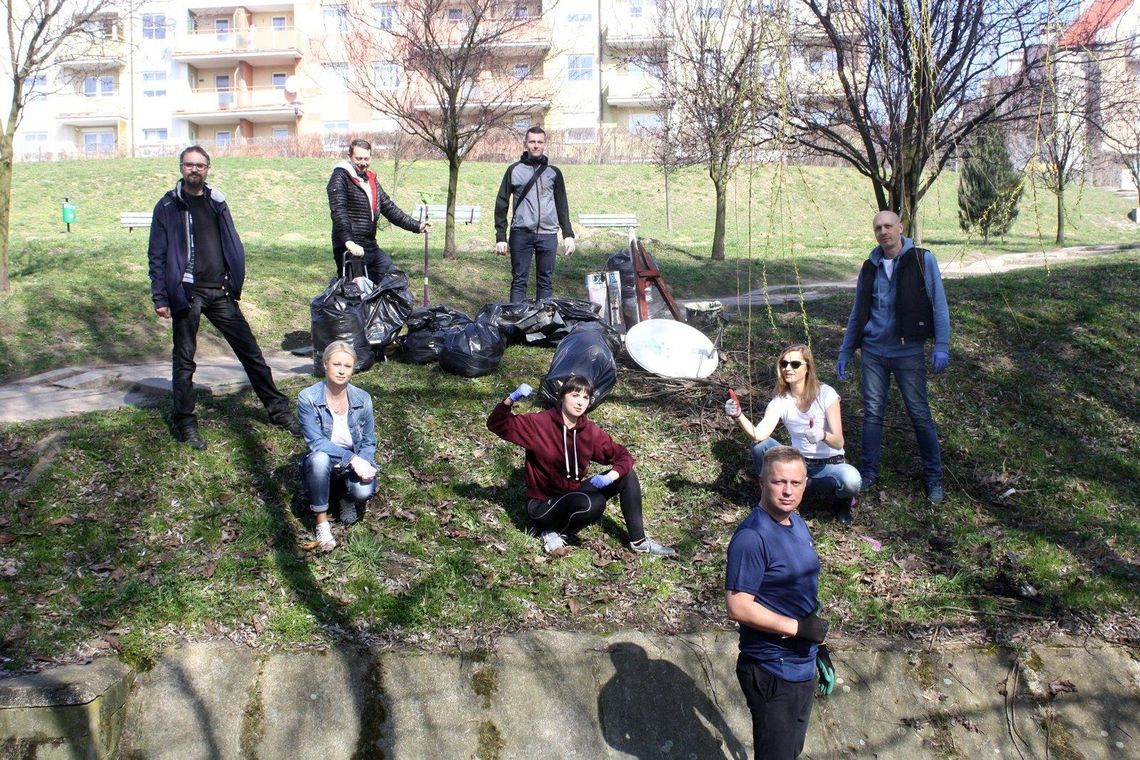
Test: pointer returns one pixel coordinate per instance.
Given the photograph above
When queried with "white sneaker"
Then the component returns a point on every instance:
(552, 542)
(648, 546)
(325, 537)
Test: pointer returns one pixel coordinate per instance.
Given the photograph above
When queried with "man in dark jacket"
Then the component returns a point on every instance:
(899, 304)
(355, 202)
(540, 209)
(197, 268)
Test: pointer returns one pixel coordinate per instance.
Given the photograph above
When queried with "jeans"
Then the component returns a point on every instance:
(826, 481)
(544, 249)
(780, 710)
(910, 375)
(324, 480)
(377, 262)
(225, 314)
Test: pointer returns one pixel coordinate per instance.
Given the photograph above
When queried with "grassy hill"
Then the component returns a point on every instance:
(114, 537)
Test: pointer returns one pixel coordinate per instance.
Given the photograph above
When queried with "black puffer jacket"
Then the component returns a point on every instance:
(354, 215)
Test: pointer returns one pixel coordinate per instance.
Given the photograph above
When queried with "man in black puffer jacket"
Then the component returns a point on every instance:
(355, 202)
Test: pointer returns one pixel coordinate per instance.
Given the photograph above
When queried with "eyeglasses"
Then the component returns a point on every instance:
(199, 167)
(795, 364)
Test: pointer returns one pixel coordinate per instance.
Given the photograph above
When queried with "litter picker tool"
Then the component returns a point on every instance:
(426, 259)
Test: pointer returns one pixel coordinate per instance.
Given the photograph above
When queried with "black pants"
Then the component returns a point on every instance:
(780, 710)
(573, 511)
(377, 262)
(525, 244)
(225, 314)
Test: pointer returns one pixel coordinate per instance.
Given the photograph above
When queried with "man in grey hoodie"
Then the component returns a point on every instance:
(540, 209)
(355, 202)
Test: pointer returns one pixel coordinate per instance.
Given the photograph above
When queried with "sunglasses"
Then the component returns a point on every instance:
(794, 364)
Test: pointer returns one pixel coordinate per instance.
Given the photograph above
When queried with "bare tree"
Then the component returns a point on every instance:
(710, 70)
(39, 33)
(911, 82)
(670, 152)
(450, 73)
(1118, 128)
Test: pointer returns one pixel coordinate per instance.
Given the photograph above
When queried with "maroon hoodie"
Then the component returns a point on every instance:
(557, 457)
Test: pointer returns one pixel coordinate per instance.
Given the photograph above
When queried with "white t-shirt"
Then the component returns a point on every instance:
(797, 422)
(341, 435)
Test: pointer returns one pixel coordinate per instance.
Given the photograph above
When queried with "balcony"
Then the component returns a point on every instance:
(626, 92)
(254, 104)
(82, 111)
(634, 34)
(85, 53)
(533, 92)
(252, 7)
(261, 47)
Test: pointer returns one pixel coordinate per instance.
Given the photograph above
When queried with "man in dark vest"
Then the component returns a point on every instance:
(197, 269)
(899, 305)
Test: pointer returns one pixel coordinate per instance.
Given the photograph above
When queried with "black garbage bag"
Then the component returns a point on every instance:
(550, 320)
(506, 316)
(387, 308)
(339, 314)
(427, 330)
(587, 351)
(473, 350)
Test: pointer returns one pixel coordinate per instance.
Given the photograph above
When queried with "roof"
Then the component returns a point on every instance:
(1095, 19)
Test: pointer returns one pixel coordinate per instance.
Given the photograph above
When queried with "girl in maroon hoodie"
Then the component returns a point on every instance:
(560, 443)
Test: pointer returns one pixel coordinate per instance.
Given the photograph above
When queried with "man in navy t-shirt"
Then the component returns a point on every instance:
(772, 592)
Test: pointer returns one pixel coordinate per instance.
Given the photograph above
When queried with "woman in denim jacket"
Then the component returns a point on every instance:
(337, 422)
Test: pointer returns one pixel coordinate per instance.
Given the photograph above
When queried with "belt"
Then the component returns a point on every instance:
(837, 459)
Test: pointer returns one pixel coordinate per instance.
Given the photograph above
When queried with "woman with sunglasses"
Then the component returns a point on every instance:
(809, 410)
(560, 443)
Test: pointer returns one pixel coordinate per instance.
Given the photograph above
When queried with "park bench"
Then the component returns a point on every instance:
(437, 212)
(607, 220)
(132, 219)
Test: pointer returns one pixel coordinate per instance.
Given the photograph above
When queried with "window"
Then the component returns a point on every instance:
(102, 28)
(36, 87)
(154, 84)
(222, 29)
(521, 11)
(454, 15)
(101, 86)
(335, 18)
(709, 10)
(580, 68)
(522, 125)
(154, 26)
(819, 61)
(98, 142)
(222, 138)
(635, 8)
(644, 122)
(278, 24)
(154, 135)
(522, 70)
(386, 75)
(35, 140)
(279, 78)
(580, 17)
(280, 133)
(385, 15)
(335, 134)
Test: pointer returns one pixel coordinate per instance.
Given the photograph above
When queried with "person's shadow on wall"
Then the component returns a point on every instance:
(652, 708)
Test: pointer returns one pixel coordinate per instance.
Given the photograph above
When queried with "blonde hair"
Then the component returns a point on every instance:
(338, 347)
(811, 379)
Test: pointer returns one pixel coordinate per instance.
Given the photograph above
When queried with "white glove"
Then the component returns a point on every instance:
(353, 248)
(732, 408)
(501, 249)
(813, 435)
(568, 245)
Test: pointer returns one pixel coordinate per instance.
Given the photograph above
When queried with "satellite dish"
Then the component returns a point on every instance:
(292, 85)
(671, 349)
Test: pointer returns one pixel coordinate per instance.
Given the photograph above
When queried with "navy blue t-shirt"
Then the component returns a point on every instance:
(778, 565)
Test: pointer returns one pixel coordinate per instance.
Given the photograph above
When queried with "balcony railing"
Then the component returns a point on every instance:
(236, 99)
(72, 106)
(84, 51)
(633, 91)
(256, 40)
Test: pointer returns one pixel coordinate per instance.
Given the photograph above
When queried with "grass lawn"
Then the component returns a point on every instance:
(114, 537)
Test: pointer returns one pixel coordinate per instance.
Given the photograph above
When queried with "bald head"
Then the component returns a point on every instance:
(888, 231)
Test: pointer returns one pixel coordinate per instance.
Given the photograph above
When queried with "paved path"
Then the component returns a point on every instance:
(77, 390)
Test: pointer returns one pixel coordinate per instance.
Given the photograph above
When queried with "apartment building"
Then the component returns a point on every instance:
(273, 75)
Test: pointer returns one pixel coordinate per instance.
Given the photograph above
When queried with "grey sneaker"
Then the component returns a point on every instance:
(648, 546)
(348, 512)
(552, 542)
(935, 493)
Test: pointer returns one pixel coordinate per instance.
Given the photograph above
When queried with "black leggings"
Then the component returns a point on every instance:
(570, 512)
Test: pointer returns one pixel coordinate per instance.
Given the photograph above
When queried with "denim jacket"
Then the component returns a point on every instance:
(316, 424)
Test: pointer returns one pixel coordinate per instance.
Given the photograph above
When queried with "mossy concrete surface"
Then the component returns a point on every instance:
(549, 694)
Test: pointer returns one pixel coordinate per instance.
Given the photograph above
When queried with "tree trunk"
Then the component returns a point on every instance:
(453, 163)
(720, 182)
(1060, 214)
(6, 143)
(668, 204)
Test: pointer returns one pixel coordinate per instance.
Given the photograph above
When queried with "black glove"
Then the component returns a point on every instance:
(812, 628)
(826, 671)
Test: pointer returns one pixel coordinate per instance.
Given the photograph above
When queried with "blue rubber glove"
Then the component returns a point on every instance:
(603, 479)
(841, 369)
(522, 391)
(939, 361)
